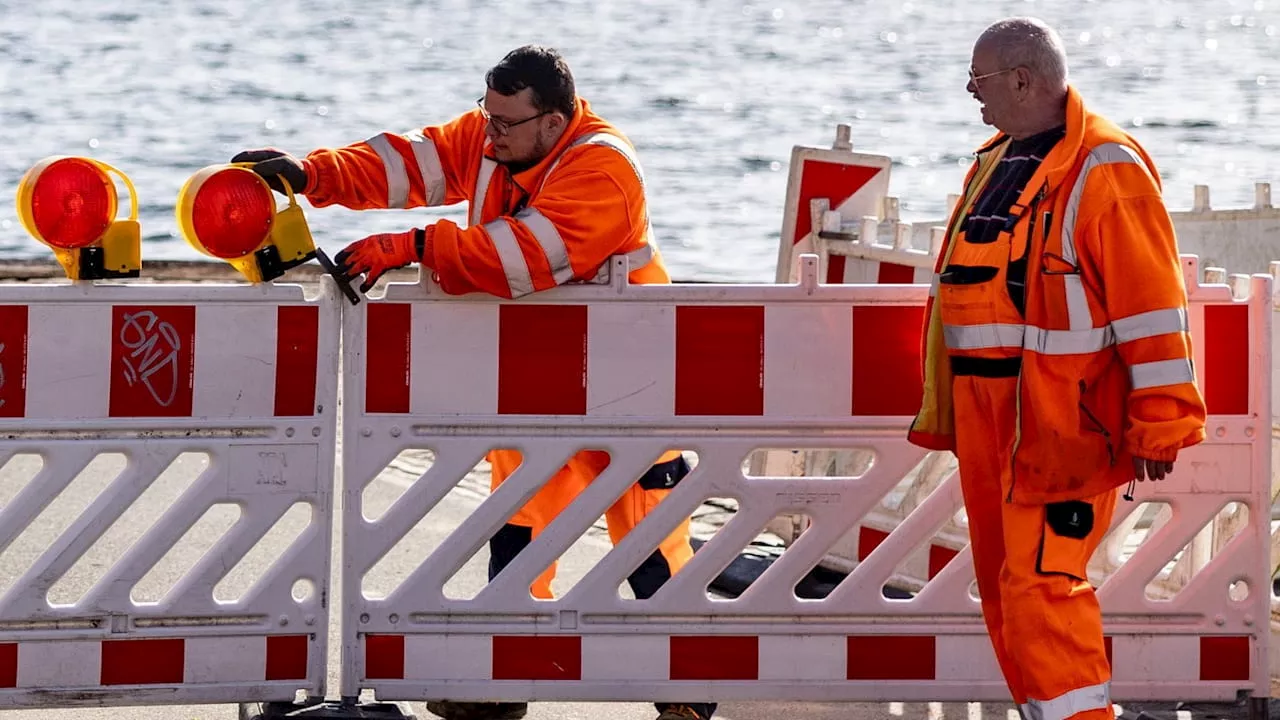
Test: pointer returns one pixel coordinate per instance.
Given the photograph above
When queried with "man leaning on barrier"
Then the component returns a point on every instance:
(554, 191)
(1057, 360)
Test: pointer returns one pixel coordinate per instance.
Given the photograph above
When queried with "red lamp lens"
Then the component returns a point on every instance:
(71, 203)
(231, 213)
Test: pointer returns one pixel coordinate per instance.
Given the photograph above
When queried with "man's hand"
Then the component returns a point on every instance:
(377, 254)
(271, 164)
(1154, 469)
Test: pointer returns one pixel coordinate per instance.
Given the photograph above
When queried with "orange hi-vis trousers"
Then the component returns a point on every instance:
(1040, 610)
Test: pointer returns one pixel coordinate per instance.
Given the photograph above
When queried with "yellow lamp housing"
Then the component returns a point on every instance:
(228, 212)
(69, 204)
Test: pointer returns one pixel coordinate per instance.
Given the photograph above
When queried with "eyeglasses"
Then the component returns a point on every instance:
(503, 126)
(975, 79)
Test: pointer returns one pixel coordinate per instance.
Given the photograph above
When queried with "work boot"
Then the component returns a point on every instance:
(450, 710)
(681, 712)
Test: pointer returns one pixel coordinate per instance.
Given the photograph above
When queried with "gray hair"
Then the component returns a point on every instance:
(1030, 43)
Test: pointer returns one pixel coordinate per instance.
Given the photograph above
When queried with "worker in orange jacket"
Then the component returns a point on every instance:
(554, 192)
(1057, 360)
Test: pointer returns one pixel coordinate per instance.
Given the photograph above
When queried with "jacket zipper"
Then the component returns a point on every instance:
(1026, 303)
(1100, 428)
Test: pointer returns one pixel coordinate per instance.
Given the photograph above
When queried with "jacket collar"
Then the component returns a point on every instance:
(1062, 158)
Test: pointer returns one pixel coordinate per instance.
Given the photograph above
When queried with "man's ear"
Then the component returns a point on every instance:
(1023, 76)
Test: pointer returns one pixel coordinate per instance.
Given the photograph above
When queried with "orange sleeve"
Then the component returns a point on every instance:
(435, 166)
(591, 207)
(1133, 248)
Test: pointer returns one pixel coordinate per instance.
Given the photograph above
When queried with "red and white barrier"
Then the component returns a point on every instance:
(245, 376)
(457, 390)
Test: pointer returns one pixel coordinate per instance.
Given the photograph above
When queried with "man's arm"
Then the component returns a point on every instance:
(1130, 238)
(416, 169)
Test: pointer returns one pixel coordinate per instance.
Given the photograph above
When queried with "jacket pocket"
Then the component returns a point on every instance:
(1090, 423)
(1065, 544)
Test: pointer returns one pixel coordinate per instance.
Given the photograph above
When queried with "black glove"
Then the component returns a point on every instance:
(271, 164)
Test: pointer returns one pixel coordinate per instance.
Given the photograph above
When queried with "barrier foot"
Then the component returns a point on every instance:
(317, 709)
(1259, 708)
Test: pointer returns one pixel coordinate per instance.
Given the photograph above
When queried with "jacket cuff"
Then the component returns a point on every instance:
(310, 169)
(427, 247)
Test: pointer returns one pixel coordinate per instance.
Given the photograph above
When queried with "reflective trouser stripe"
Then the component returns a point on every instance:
(1094, 697)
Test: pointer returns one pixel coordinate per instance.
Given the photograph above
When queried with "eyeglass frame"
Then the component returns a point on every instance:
(975, 79)
(504, 126)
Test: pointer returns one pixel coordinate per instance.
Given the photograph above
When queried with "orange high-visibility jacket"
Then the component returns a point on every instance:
(554, 223)
(1106, 354)
(557, 222)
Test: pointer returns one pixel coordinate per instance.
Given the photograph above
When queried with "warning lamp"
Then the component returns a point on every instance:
(229, 212)
(69, 204)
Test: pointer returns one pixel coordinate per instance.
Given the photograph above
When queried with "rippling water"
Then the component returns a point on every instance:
(713, 92)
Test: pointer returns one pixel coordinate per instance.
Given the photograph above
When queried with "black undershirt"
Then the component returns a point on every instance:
(990, 214)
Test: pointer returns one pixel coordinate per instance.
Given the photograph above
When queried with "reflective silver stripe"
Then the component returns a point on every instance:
(637, 259)
(552, 244)
(1078, 315)
(1094, 697)
(621, 147)
(607, 140)
(977, 337)
(1150, 324)
(1064, 342)
(1105, 154)
(1068, 342)
(513, 263)
(1161, 373)
(429, 167)
(487, 167)
(393, 164)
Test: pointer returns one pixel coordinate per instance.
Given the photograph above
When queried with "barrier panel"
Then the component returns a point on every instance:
(723, 372)
(166, 465)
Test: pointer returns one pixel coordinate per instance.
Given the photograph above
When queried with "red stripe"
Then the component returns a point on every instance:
(297, 351)
(1107, 641)
(1224, 658)
(720, 360)
(1226, 359)
(13, 361)
(868, 540)
(835, 269)
(286, 657)
(8, 665)
(715, 657)
(887, 379)
(542, 359)
(820, 179)
(384, 656)
(892, 657)
(537, 657)
(895, 274)
(152, 360)
(939, 556)
(143, 662)
(387, 355)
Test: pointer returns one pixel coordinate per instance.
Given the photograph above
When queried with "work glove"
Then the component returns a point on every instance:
(271, 164)
(377, 254)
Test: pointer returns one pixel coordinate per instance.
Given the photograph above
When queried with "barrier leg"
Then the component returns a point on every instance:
(313, 709)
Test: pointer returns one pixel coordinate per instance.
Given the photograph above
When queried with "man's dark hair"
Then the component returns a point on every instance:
(542, 70)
